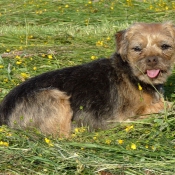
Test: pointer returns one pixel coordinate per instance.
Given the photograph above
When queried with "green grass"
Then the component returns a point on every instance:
(39, 35)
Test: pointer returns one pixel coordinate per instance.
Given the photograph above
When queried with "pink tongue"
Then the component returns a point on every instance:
(153, 73)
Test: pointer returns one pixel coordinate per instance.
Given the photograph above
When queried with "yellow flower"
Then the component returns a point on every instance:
(139, 87)
(99, 43)
(120, 141)
(30, 36)
(24, 75)
(146, 146)
(94, 138)
(19, 62)
(66, 6)
(20, 48)
(76, 130)
(6, 80)
(73, 135)
(108, 38)
(49, 56)
(7, 50)
(93, 57)
(1, 66)
(80, 130)
(34, 68)
(48, 142)
(133, 146)
(108, 141)
(1, 129)
(17, 57)
(9, 134)
(4, 143)
(128, 128)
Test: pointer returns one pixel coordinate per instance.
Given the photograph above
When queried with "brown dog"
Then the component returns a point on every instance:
(98, 93)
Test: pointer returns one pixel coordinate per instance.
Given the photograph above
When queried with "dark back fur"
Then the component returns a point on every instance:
(92, 87)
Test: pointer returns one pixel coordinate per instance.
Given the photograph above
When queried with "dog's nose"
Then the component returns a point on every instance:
(152, 61)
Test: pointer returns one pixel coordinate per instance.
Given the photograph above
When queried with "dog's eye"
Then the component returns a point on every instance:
(137, 49)
(165, 46)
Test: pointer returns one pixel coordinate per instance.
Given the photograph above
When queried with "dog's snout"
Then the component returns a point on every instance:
(152, 61)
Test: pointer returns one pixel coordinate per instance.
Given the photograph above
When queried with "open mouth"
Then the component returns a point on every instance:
(153, 73)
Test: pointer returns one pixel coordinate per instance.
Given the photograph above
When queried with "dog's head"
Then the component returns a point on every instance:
(149, 49)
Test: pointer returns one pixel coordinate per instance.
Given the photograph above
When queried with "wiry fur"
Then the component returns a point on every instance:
(99, 93)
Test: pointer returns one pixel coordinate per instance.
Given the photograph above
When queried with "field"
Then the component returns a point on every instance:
(41, 35)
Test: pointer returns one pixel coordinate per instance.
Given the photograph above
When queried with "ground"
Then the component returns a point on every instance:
(41, 35)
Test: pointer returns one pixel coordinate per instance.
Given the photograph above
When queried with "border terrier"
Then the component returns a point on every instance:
(99, 93)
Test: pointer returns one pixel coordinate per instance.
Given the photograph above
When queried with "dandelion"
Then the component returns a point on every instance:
(48, 142)
(49, 56)
(87, 21)
(94, 138)
(66, 6)
(5, 80)
(146, 146)
(153, 148)
(4, 143)
(20, 48)
(24, 75)
(1, 129)
(150, 7)
(120, 141)
(17, 57)
(99, 43)
(108, 141)
(9, 134)
(112, 8)
(133, 146)
(128, 128)
(73, 135)
(93, 57)
(79, 130)
(76, 130)
(18, 62)
(1, 66)
(30, 36)
(7, 50)
(139, 87)
(34, 68)
(108, 38)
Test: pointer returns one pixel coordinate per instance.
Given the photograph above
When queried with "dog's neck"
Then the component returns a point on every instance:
(126, 69)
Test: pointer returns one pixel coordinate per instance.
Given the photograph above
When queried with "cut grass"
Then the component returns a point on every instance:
(40, 35)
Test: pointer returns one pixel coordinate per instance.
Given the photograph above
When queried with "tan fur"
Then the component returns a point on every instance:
(149, 37)
(47, 110)
(135, 104)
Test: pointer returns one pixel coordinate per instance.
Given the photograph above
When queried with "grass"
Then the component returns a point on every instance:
(39, 35)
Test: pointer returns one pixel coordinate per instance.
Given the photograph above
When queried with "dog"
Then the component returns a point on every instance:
(99, 93)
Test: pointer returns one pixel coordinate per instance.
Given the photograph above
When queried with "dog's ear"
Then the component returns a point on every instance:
(171, 27)
(121, 44)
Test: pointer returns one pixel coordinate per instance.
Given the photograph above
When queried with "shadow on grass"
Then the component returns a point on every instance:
(170, 88)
